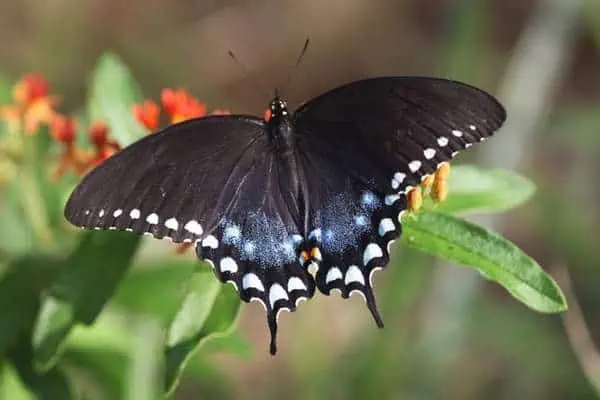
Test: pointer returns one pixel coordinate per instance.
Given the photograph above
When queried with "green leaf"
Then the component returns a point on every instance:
(20, 288)
(50, 385)
(474, 189)
(493, 256)
(11, 387)
(171, 279)
(88, 280)
(113, 91)
(209, 310)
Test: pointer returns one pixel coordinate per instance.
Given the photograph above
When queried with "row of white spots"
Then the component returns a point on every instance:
(353, 274)
(191, 226)
(428, 153)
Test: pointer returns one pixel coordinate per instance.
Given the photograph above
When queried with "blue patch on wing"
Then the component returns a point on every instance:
(344, 220)
(260, 239)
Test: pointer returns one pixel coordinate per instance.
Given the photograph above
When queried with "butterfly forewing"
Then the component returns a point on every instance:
(176, 183)
(404, 126)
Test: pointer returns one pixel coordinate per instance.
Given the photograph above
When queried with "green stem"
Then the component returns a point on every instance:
(33, 204)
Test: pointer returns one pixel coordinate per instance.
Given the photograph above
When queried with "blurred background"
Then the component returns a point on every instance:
(449, 334)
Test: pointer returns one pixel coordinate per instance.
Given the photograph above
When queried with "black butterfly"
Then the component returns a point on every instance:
(307, 199)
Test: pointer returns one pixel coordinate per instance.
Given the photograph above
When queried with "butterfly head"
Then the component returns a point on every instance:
(278, 108)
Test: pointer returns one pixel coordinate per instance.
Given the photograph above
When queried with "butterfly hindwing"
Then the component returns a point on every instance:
(352, 226)
(255, 246)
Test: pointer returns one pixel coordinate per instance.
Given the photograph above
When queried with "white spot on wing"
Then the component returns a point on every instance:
(295, 283)
(472, 127)
(210, 241)
(228, 264)
(251, 280)
(333, 274)
(152, 219)
(414, 165)
(429, 153)
(172, 223)
(467, 145)
(117, 213)
(398, 179)
(443, 141)
(457, 133)
(354, 275)
(277, 293)
(371, 251)
(386, 225)
(391, 199)
(134, 214)
(101, 213)
(194, 227)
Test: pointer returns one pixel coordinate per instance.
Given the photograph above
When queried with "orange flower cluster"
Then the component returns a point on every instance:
(64, 131)
(34, 107)
(179, 105)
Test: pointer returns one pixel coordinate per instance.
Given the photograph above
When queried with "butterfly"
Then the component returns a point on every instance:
(301, 201)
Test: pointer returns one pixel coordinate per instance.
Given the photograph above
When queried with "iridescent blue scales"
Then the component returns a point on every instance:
(303, 201)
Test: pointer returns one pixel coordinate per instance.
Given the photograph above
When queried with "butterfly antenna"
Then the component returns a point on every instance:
(257, 84)
(298, 60)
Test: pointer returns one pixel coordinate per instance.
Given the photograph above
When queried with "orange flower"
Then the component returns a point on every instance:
(180, 105)
(63, 130)
(147, 114)
(33, 104)
(31, 88)
(104, 148)
(268, 114)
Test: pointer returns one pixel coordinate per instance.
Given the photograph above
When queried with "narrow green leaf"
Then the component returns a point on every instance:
(493, 256)
(146, 361)
(474, 189)
(186, 336)
(88, 280)
(113, 91)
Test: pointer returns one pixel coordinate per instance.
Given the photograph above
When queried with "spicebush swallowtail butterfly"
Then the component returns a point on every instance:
(303, 200)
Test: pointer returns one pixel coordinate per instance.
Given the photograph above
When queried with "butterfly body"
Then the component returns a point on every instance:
(303, 201)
